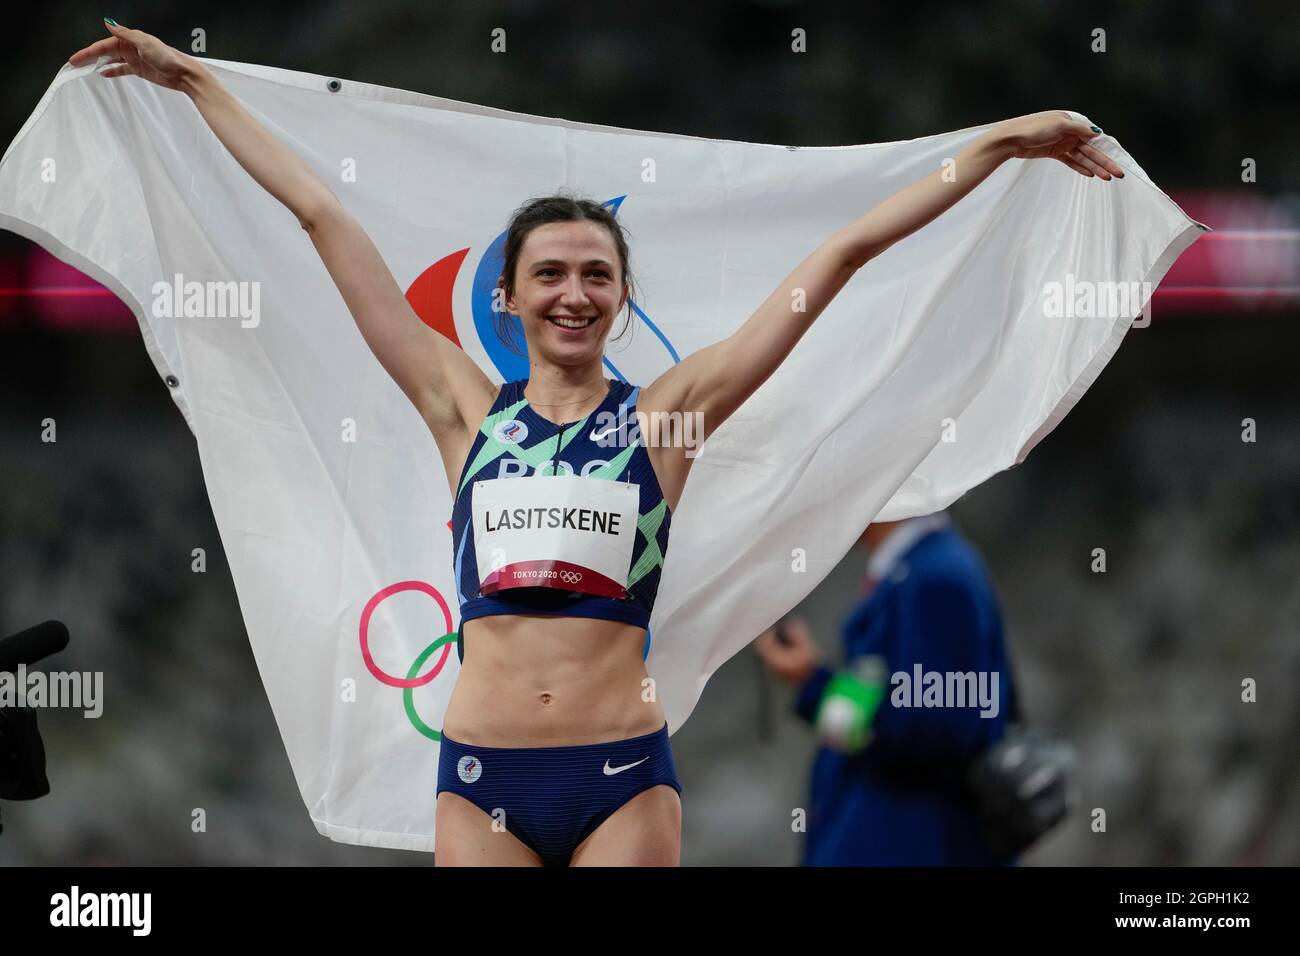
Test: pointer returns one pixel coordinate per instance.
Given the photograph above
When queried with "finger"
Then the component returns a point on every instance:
(1097, 168)
(118, 69)
(106, 47)
(1077, 167)
(1077, 127)
(1097, 156)
(1083, 130)
(126, 34)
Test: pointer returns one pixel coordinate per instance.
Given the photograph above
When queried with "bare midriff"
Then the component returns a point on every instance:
(531, 680)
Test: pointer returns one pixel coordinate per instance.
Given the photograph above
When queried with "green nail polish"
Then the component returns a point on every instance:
(1095, 129)
(110, 21)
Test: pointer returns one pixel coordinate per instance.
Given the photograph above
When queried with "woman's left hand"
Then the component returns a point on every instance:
(1053, 134)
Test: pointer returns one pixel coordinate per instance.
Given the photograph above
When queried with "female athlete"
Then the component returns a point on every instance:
(555, 748)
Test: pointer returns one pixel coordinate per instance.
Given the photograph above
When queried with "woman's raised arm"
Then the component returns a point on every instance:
(442, 381)
(716, 380)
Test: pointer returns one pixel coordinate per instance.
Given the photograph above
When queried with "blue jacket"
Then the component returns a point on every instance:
(900, 802)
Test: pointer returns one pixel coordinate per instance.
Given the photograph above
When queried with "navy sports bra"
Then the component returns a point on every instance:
(514, 441)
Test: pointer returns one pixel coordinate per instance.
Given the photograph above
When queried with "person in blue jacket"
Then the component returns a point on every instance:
(927, 677)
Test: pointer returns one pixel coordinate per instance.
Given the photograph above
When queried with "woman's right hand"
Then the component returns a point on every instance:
(136, 53)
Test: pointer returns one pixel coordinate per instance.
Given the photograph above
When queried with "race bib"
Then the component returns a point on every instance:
(555, 531)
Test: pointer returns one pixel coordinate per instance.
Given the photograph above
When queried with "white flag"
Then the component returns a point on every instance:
(942, 362)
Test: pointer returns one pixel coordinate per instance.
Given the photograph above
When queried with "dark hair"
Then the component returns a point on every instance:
(561, 207)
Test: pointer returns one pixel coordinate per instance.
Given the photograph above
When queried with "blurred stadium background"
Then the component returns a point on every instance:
(1141, 667)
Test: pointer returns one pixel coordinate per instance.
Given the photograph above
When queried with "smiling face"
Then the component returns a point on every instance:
(568, 289)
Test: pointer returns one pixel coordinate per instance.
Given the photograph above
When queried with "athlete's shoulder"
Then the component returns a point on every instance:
(512, 391)
(625, 390)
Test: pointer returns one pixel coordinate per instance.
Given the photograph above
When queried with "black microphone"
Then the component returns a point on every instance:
(22, 754)
(29, 646)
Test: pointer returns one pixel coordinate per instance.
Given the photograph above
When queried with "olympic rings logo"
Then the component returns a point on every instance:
(410, 681)
(570, 577)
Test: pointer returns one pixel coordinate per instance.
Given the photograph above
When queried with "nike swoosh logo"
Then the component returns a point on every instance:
(596, 437)
(610, 771)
